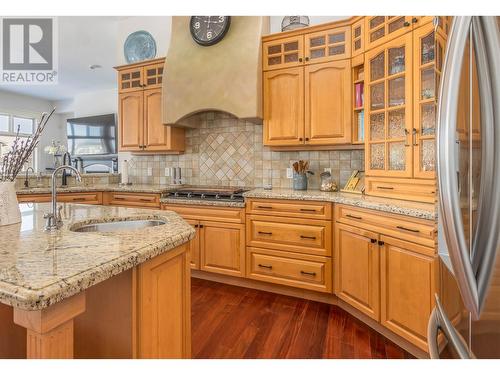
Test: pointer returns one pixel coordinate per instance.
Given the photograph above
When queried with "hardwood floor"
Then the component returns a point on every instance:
(234, 322)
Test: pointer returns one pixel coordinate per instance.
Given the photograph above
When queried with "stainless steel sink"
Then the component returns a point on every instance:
(117, 226)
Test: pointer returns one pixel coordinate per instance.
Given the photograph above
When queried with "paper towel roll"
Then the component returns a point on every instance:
(125, 172)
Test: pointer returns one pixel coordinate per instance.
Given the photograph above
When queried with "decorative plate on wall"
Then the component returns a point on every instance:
(139, 46)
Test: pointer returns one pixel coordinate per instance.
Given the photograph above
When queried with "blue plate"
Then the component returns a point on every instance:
(139, 46)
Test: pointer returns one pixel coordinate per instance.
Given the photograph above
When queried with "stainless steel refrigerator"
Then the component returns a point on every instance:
(466, 320)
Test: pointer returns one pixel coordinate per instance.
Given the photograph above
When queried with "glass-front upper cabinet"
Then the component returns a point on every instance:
(429, 49)
(381, 29)
(328, 45)
(283, 53)
(388, 109)
(358, 37)
(130, 79)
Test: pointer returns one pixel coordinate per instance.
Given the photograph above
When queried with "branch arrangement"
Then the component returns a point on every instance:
(13, 161)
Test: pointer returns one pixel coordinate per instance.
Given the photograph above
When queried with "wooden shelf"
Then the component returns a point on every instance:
(359, 108)
(359, 80)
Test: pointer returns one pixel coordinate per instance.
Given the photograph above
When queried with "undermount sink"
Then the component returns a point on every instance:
(116, 226)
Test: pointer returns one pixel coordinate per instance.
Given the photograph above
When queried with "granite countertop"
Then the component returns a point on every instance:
(38, 269)
(135, 188)
(202, 202)
(414, 209)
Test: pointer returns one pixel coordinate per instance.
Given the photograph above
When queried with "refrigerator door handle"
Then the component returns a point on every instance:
(449, 199)
(439, 322)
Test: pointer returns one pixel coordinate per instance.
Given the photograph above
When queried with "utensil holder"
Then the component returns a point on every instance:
(299, 181)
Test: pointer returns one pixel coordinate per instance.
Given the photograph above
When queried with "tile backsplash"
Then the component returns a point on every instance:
(228, 151)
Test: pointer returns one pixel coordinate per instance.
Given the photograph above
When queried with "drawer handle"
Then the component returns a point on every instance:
(146, 200)
(265, 207)
(408, 229)
(385, 187)
(354, 217)
(265, 266)
(308, 273)
(308, 209)
(308, 237)
(267, 233)
(78, 199)
(119, 198)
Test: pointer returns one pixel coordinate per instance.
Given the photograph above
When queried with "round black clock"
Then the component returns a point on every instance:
(209, 30)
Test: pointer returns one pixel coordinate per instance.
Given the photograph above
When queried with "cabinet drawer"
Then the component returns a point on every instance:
(401, 188)
(415, 230)
(290, 208)
(279, 267)
(133, 200)
(223, 214)
(86, 198)
(304, 236)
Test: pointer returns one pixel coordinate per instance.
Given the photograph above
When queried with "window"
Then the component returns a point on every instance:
(9, 124)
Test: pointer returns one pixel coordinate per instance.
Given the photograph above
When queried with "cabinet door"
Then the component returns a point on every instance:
(153, 75)
(388, 108)
(194, 245)
(382, 29)
(329, 45)
(328, 103)
(130, 113)
(428, 52)
(408, 274)
(284, 107)
(357, 269)
(164, 306)
(443, 23)
(283, 53)
(130, 79)
(358, 37)
(222, 248)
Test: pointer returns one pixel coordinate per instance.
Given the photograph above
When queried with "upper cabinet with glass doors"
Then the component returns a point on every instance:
(308, 48)
(388, 103)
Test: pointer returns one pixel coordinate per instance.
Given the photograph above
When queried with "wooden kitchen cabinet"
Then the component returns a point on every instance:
(382, 29)
(284, 107)
(388, 108)
(409, 279)
(327, 45)
(194, 245)
(139, 200)
(83, 198)
(283, 53)
(357, 279)
(383, 269)
(358, 37)
(222, 248)
(328, 103)
(139, 112)
(164, 290)
(308, 105)
(142, 75)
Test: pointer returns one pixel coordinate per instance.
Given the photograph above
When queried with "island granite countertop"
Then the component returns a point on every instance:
(39, 269)
(413, 209)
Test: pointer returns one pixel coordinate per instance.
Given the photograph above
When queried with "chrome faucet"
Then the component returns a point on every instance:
(64, 180)
(54, 219)
(26, 182)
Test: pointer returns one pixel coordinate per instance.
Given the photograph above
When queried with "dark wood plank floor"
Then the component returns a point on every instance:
(234, 322)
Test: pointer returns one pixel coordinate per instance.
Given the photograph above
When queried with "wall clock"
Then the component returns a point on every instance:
(209, 30)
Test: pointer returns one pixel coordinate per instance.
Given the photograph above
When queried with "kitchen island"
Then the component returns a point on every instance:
(104, 294)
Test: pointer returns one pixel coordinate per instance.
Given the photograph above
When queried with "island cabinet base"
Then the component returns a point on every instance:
(144, 312)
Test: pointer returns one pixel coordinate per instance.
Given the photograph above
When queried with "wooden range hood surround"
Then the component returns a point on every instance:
(224, 77)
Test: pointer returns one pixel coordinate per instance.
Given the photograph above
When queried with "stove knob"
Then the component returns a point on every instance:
(217, 196)
(190, 195)
(202, 196)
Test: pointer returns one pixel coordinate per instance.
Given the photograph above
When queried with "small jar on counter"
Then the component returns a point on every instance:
(327, 182)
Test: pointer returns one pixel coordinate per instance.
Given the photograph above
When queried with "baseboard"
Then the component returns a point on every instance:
(313, 296)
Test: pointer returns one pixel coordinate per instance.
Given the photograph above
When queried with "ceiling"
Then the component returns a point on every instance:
(81, 44)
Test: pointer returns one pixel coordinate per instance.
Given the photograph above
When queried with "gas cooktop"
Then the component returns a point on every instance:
(219, 193)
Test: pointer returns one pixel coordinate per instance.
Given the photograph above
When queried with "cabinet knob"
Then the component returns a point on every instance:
(300, 59)
(373, 240)
(414, 20)
(406, 24)
(307, 139)
(300, 139)
(381, 243)
(307, 58)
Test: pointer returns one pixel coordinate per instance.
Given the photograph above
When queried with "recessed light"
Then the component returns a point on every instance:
(95, 66)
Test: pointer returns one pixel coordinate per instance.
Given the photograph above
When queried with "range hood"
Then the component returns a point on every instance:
(224, 77)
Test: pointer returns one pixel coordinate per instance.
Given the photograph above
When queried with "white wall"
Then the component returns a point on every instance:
(31, 106)
(313, 20)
